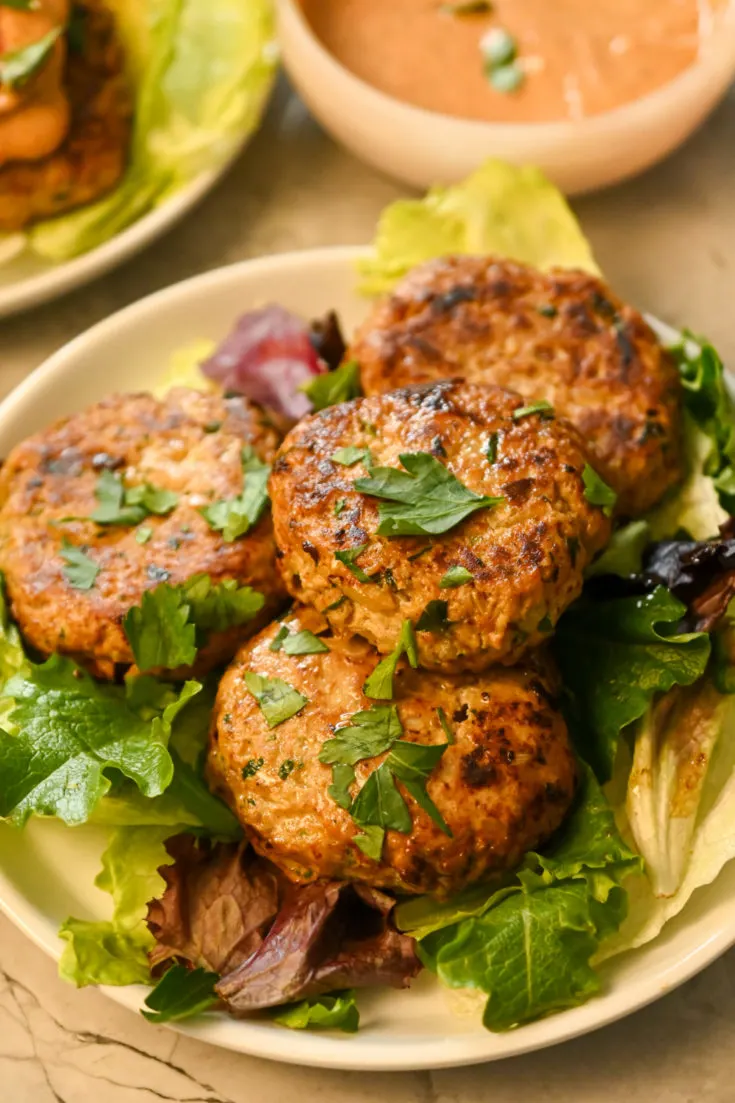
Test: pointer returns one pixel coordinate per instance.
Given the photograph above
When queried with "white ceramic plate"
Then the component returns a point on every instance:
(29, 280)
(46, 872)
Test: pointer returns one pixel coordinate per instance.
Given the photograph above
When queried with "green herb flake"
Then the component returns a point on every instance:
(17, 67)
(348, 558)
(543, 408)
(491, 451)
(441, 714)
(370, 841)
(339, 506)
(143, 534)
(455, 576)
(498, 48)
(467, 7)
(368, 733)
(304, 643)
(121, 505)
(251, 768)
(278, 701)
(348, 457)
(412, 764)
(597, 492)
(379, 685)
(434, 618)
(343, 776)
(546, 310)
(80, 571)
(234, 517)
(379, 804)
(281, 635)
(424, 500)
(332, 387)
(286, 768)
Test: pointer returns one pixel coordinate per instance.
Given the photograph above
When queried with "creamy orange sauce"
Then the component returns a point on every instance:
(35, 118)
(576, 57)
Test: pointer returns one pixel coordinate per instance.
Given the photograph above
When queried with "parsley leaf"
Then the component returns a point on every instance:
(368, 733)
(455, 576)
(143, 535)
(281, 635)
(349, 456)
(491, 451)
(18, 66)
(68, 730)
(348, 557)
(379, 804)
(278, 700)
(119, 505)
(424, 500)
(445, 725)
(434, 618)
(332, 387)
(336, 1011)
(180, 994)
(234, 517)
(297, 643)
(542, 407)
(597, 492)
(172, 622)
(343, 776)
(412, 763)
(80, 571)
(370, 841)
(379, 685)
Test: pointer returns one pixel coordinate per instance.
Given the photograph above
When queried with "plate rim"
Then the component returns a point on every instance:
(329, 1050)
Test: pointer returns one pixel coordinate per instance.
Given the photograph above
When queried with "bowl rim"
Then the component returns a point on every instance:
(720, 57)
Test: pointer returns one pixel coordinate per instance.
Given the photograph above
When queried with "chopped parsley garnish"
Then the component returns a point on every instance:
(172, 622)
(286, 768)
(234, 517)
(343, 776)
(547, 310)
(413, 763)
(278, 700)
(455, 576)
(379, 804)
(368, 733)
(339, 506)
(434, 618)
(348, 457)
(379, 686)
(543, 408)
(597, 492)
(297, 643)
(121, 505)
(492, 447)
(348, 557)
(370, 841)
(143, 534)
(18, 66)
(332, 387)
(424, 500)
(506, 78)
(80, 571)
(500, 51)
(251, 768)
(445, 725)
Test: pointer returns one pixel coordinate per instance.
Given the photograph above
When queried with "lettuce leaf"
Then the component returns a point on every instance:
(529, 946)
(70, 731)
(614, 657)
(337, 1011)
(502, 209)
(202, 70)
(115, 951)
(181, 993)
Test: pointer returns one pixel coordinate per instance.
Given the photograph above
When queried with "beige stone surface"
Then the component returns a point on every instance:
(667, 242)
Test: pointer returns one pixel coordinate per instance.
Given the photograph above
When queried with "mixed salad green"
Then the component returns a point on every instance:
(646, 666)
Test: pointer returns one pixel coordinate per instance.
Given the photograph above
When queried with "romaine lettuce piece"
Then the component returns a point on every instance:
(502, 209)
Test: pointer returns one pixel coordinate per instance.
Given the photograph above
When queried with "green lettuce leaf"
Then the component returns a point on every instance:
(70, 731)
(501, 209)
(114, 951)
(202, 70)
(181, 994)
(614, 656)
(337, 1011)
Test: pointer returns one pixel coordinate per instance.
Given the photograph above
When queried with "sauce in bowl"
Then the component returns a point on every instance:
(513, 60)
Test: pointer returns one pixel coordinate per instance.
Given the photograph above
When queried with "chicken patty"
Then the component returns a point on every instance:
(503, 784)
(487, 590)
(188, 443)
(563, 336)
(92, 158)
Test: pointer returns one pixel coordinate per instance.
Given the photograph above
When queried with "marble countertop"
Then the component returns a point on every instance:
(665, 241)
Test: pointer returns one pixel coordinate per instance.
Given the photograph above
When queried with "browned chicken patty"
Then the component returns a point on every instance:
(525, 556)
(563, 336)
(92, 159)
(503, 786)
(190, 443)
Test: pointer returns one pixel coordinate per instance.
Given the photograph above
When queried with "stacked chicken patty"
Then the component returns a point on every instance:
(400, 725)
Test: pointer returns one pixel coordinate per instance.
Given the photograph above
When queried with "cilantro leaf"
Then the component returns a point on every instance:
(234, 517)
(370, 841)
(172, 622)
(368, 733)
(413, 763)
(278, 700)
(276, 643)
(424, 500)
(303, 642)
(80, 571)
(542, 407)
(332, 387)
(434, 618)
(343, 776)
(349, 456)
(336, 1011)
(180, 994)
(143, 535)
(615, 656)
(455, 576)
(379, 685)
(152, 499)
(597, 492)
(379, 804)
(71, 730)
(348, 558)
(18, 66)
(119, 505)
